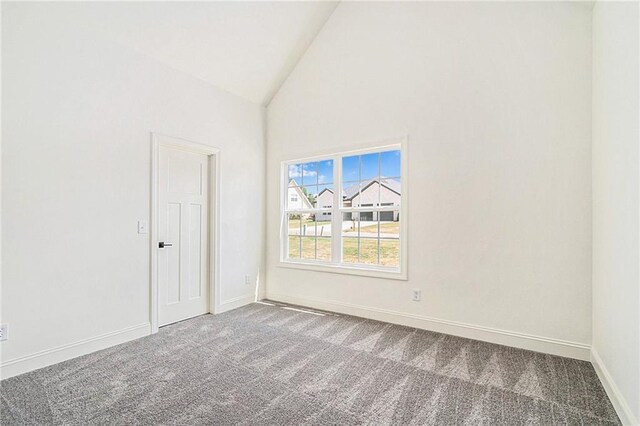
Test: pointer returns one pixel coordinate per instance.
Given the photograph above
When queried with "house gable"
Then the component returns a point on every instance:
(296, 199)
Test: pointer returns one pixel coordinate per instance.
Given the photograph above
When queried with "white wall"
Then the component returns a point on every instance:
(495, 100)
(616, 134)
(77, 115)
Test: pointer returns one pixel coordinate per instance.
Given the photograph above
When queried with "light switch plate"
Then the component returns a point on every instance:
(143, 228)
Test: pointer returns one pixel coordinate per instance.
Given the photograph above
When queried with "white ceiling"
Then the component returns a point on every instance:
(246, 48)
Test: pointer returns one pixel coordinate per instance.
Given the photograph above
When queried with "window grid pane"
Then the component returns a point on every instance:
(350, 240)
(325, 172)
(293, 233)
(369, 166)
(323, 248)
(310, 173)
(390, 164)
(350, 192)
(308, 247)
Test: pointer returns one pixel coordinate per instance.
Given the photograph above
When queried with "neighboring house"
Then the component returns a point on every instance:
(296, 198)
(389, 190)
(325, 201)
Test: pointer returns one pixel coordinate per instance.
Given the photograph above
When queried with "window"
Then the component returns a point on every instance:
(343, 212)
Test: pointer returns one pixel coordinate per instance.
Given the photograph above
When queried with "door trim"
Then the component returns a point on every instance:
(158, 140)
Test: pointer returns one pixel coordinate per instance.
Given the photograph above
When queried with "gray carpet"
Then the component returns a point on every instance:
(267, 365)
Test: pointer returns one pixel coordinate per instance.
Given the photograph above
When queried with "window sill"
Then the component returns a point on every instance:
(385, 273)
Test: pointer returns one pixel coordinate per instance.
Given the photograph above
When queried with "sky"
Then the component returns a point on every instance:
(367, 166)
(354, 169)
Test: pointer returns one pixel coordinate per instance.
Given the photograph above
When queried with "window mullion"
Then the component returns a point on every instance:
(336, 216)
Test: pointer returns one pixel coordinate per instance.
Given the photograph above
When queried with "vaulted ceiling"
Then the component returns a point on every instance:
(246, 48)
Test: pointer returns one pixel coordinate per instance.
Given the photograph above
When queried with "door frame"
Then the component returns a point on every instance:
(158, 140)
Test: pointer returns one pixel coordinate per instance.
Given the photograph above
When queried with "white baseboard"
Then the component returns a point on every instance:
(493, 335)
(234, 303)
(62, 353)
(617, 399)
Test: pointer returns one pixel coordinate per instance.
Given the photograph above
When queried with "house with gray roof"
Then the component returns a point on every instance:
(373, 193)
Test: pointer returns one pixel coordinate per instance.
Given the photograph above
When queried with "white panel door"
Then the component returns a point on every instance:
(183, 262)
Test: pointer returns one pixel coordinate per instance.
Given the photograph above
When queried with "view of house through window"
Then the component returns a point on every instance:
(345, 209)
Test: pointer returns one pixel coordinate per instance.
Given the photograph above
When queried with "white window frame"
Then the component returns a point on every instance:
(336, 265)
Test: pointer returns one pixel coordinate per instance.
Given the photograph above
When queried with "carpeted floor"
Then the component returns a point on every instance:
(269, 365)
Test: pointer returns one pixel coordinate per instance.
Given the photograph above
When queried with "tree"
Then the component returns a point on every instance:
(310, 197)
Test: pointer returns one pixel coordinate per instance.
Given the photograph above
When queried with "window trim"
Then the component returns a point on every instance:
(375, 271)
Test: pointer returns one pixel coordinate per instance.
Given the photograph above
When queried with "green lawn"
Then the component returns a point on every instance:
(309, 247)
(389, 250)
(368, 250)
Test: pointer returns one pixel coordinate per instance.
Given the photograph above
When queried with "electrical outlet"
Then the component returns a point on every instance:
(416, 294)
(247, 280)
(4, 332)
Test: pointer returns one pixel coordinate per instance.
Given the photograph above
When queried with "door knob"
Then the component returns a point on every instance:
(162, 244)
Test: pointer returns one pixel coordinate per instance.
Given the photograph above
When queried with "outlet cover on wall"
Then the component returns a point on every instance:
(416, 294)
(4, 332)
(247, 280)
